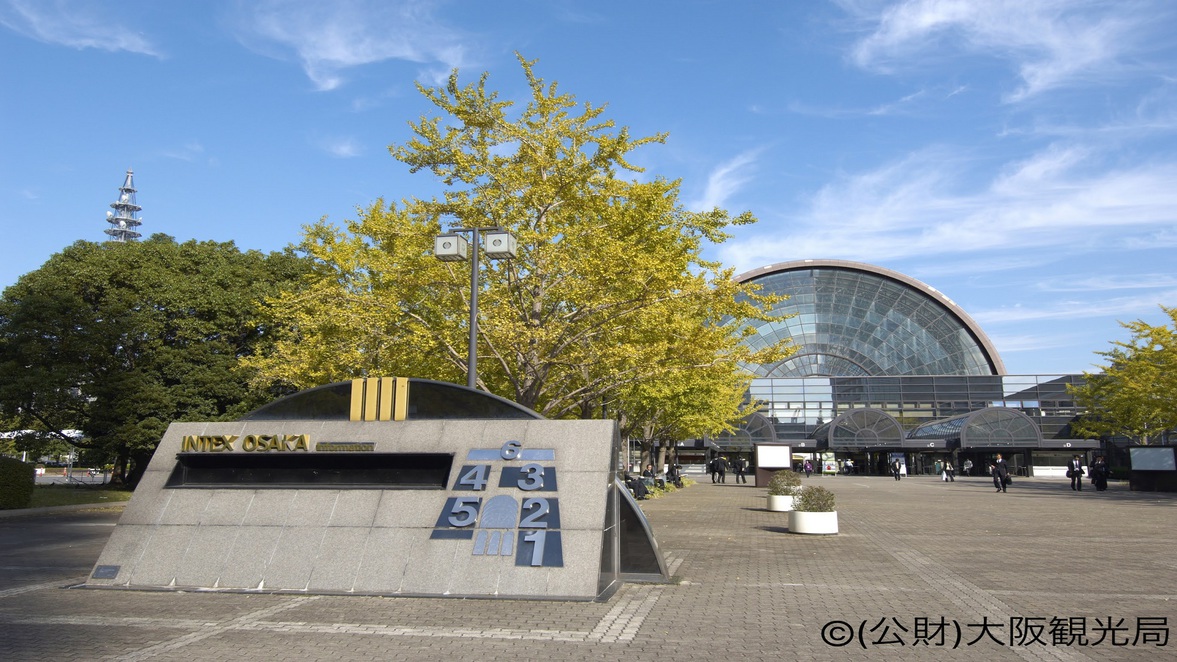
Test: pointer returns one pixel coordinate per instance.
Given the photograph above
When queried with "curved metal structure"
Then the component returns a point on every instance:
(755, 428)
(853, 319)
(862, 428)
(991, 427)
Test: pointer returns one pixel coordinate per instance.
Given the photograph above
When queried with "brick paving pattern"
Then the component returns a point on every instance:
(911, 555)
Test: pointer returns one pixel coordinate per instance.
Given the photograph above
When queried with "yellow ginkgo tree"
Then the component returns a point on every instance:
(608, 309)
(1136, 394)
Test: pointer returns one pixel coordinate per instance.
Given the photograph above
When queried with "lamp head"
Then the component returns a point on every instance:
(451, 248)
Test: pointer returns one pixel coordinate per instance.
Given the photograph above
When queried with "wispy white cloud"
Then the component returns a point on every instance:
(1129, 307)
(330, 37)
(188, 152)
(926, 205)
(1162, 238)
(1154, 113)
(1001, 261)
(920, 102)
(726, 179)
(342, 148)
(73, 24)
(1007, 344)
(1108, 283)
(896, 106)
(1050, 43)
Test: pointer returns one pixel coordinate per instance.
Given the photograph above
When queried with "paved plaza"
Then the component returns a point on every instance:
(922, 570)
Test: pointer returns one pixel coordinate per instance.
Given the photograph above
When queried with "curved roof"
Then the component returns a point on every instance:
(753, 429)
(852, 319)
(991, 427)
(427, 399)
(861, 428)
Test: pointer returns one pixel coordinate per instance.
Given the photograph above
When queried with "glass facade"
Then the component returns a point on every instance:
(797, 407)
(852, 319)
(889, 367)
(873, 339)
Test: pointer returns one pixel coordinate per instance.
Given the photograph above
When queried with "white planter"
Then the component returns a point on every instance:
(813, 523)
(780, 503)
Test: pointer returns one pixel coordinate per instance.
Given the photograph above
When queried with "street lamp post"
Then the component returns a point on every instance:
(453, 247)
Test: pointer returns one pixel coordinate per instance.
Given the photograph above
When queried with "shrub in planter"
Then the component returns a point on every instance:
(815, 499)
(785, 482)
(782, 489)
(813, 512)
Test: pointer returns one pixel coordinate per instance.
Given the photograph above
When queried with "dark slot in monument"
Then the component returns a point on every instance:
(387, 471)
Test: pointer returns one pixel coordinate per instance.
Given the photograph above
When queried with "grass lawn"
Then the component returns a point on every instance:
(69, 495)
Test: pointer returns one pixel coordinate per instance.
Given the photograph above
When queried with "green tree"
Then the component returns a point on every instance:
(1136, 394)
(8, 434)
(119, 339)
(609, 305)
(16, 442)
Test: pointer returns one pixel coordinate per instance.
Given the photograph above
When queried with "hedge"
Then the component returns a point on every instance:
(16, 483)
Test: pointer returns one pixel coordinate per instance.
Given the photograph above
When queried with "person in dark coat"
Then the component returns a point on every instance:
(674, 475)
(649, 477)
(740, 466)
(721, 465)
(896, 469)
(1099, 474)
(1075, 473)
(1000, 473)
(637, 487)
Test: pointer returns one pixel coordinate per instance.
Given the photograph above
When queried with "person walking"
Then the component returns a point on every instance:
(740, 465)
(714, 468)
(1099, 474)
(1000, 473)
(1075, 473)
(808, 468)
(949, 472)
(721, 466)
(896, 468)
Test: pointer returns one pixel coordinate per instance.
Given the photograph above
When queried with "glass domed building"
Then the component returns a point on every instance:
(880, 358)
(853, 319)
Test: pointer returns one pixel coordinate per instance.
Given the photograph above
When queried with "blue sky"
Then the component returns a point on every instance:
(1019, 156)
